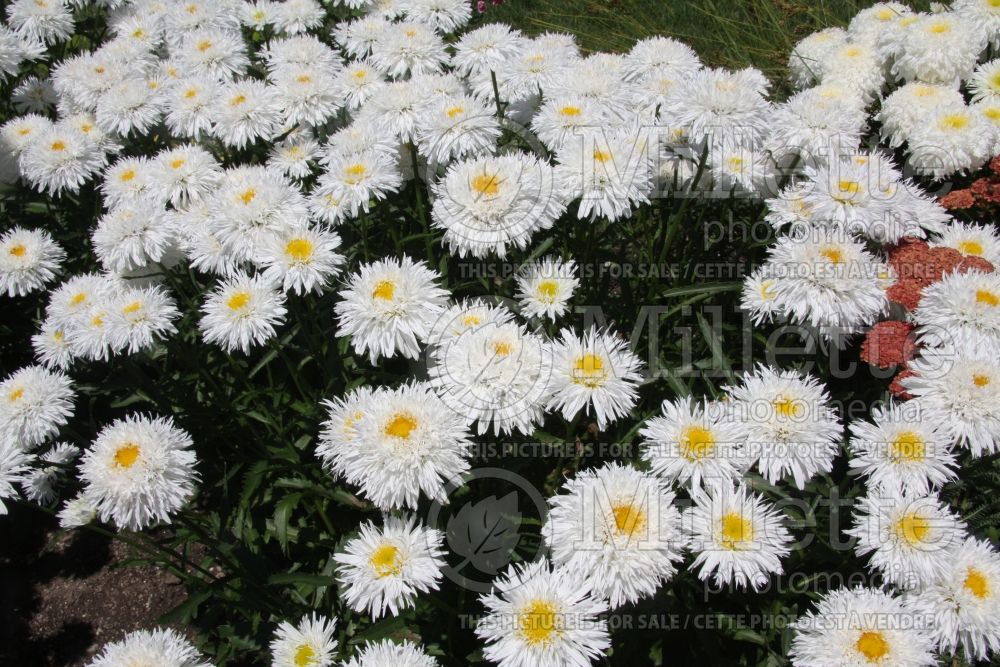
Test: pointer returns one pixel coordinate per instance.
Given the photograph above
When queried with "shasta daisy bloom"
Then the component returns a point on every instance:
(463, 318)
(404, 654)
(739, 537)
(953, 138)
(597, 372)
(911, 537)
(494, 373)
(971, 240)
(188, 103)
(563, 119)
(61, 159)
(151, 647)
(827, 279)
(408, 47)
(244, 111)
(857, 67)
(128, 179)
(534, 68)
(296, 16)
(137, 317)
(34, 404)
(300, 50)
(445, 16)
(936, 48)
(217, 53)
(132, 236)
(805, 64)
(357, 178)
(964, 603)
(51, 347)
(309, 643)
(294, 156)
(74, 299)
(76, 512)
(545, 287)
(389, 306)
(959, 389)
(716, 100)
(14, 469)
(305, 94)
(869, 25)
(618, 528)
(485, 49)
(385, 569)
(694, 443)
(393, 109)
(39, 483)
(29, 259)
(456, 127)
(542, 617)
(791, 426)
(361, 136)
(358, 82)
(252, 205)
(241, 312)
(489, 204)
(302, 260)
(409, 443)
(862, 626)
(48, 21)
(260, 14)
(758, 296)
(900, 449)
(655, 55)
(34, 95)
(904, 110)
(338, 437)
(20, 132)
(128, 107)
(609, 174)
(357, 37)
(810, 123)
(960, 307)
(184, 174)
(984, 84)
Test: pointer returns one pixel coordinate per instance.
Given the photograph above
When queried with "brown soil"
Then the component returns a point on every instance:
(63, 595)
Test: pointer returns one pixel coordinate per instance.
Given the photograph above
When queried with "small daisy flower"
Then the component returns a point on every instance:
(294, 156)
(971, 240)
(408, 47)
(14, 469)
(189, 103)
(389, 306)
(595, 372)
(48, 21)
(617, 527)
(297, 16)
(302, 260)
(385, 569)
(545, 287)
(739, 537)
(184, 174)
(306, 94)
(159, 646)
(309, 643)
(485, 49)
(127, 180)
(217, 53)
(951, 139)
(139, 471)
(609, 174)
(959, 308)
(39, 484)
(242, 312)
(131, 237)
(338, 438)
(61, 159)
(29, 259)
(244, 111)
(138, 317)
(456, 127)
(404, 654)
(358, 178)
(34, 404)
(51, 348)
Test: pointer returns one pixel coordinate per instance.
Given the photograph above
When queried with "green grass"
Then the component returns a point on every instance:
(725, 33)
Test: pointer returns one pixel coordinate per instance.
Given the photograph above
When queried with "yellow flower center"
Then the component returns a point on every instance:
(78, 299)
(832, 255)
(602, 156)
(502, 348)
(537, 623)
(993, 113)
(547, 291)
(735, 163)
(190, 92)
(127, 455)
(885, 14)
(305, 656)
(486, 184)
(971, 248)
(16, 394)
(976, 583)
(386, 561)
(785, 407)
(852, 52)
(736, 530)
(767, 292)
(299, 250)
(248, 195)
(907, 446)
(360, 74)
(588, 370)
(127, 175)
(237, 100)
(138, 33)
(455, 111)
(846, 191)
(570, 111)
(987, 298)
(939, 27)
(401, 426)
(953, 121)
(18, 250)
(58, 145)
(354, 173)
(872, 645)
(980, 380)
(471, 320)
(385, 290)
(97, 320)
(697, 442)
(24, 131)
(132, 307)
(204, 45)
(913, 529)
(629, 519)
(238, 301)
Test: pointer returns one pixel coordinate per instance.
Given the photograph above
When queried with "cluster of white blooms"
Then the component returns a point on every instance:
(236, 141)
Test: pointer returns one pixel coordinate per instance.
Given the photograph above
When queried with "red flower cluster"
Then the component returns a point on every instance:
(984, 193)
(889, 343)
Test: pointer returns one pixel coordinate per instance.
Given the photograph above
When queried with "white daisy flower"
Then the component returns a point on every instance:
(487, 48)
(358, 82)
(564, 119)
(595, 372)
(184, 174)
(128, 179)
(76, 512)
(29, 259)
(51, 347)
(385, 569)
(296, 16)
(300, 50)
(243, 311)
(618, 528)
(393, 109)
(545, 287)
(338, 438)
(791, 426)
(693, 442)
(960, 309)
(294, 156)
(758, 296)
(911, 537)
(862, 626)
(357, 37)
(870, 24)
(140, 316)
(971, 240)
(244, 111)
(131, 237)
(14, 469)
(389, 306)
(73, 301)
(445, 16)
(309, 643)
(936, 48)
(495, 373)
(139, 471)
(907, 107)
(60, 158)
(356, 179)
(20, 132)
(306, 94)
(984, 84)
(901, 449)
(657, 55)
(153, 647)
(540, 617)
(951, 139)
(964, 603)
(218, 53)
(39, 484)
(490, 204)
(463, 318)
(129, 107)
(404, 654)
(739, 537)
(456, 127)
(609, 174)
(408, 47)
(806, 64)
(302, 260)
(189, 103)
(34, 95)
(34, 404)
(716, 100)
(48, 21)
(857, 67)
(409, 443)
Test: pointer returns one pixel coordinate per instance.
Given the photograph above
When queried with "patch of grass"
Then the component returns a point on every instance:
(725, 33)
